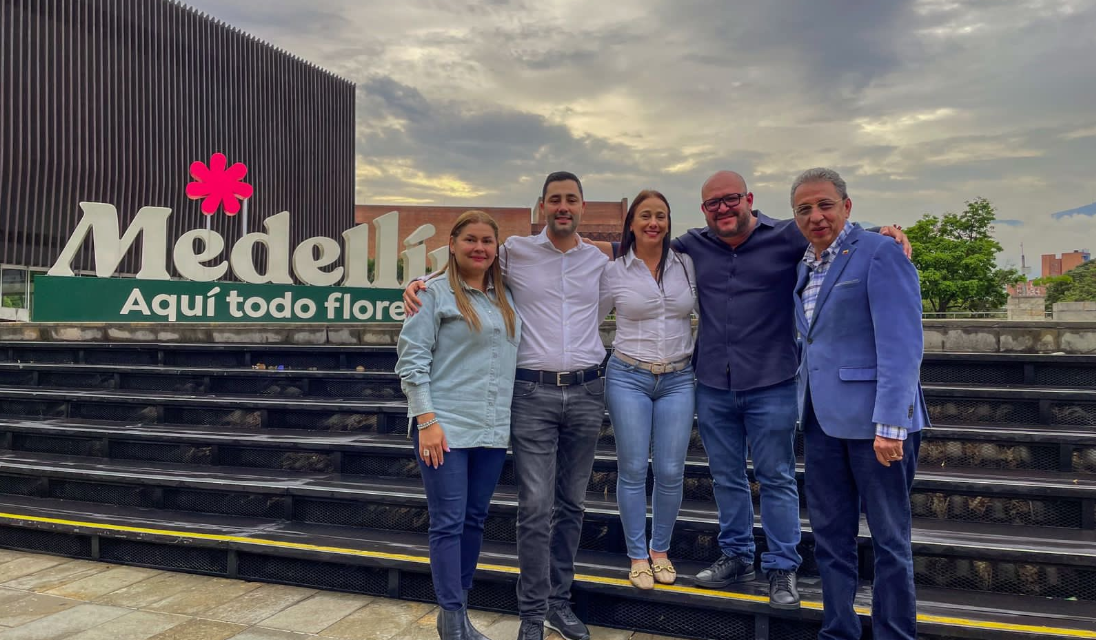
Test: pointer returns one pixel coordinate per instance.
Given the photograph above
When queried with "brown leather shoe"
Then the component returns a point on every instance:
(641, 576)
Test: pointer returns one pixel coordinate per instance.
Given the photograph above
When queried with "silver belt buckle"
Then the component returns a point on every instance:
(658, 368)
(559, 378)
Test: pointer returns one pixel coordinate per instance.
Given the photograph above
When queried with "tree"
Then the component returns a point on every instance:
(371, 269)
(1056, 288)
(1079, 285)
(956, 256)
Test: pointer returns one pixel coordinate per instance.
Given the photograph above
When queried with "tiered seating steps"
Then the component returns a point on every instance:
(188, 457)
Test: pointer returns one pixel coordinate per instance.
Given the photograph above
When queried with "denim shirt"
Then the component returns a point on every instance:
(465, 377)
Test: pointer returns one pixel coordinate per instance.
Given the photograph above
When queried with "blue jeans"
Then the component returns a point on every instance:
(457, 495)
(764, 418)
(640, 404)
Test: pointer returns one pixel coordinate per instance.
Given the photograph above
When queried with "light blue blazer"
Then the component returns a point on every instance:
(860, 356)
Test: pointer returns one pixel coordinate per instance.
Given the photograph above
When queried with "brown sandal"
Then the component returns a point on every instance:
(664, 573)
(641, 577)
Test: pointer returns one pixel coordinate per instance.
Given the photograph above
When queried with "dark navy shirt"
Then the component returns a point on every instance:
(746, 338)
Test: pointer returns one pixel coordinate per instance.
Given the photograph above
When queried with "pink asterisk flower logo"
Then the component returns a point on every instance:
(217, 186)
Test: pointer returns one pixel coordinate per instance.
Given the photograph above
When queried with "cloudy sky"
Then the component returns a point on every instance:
(921, 104)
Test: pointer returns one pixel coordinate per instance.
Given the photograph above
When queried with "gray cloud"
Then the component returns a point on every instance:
(500, 154)
(921, 104)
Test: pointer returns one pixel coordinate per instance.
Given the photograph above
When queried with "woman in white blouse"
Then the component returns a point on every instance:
(649, 380)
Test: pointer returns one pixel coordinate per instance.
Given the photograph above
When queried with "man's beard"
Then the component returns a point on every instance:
(738, 229)
(562, 231)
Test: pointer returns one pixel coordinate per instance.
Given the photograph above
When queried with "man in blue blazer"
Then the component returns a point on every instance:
(858, 314)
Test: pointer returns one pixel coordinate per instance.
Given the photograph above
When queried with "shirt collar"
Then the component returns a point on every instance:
(543, 239)
(829, 252)
(629, 257)
(467, 287)
(764, 219)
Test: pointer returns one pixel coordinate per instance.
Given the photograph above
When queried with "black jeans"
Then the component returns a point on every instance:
(553, 432)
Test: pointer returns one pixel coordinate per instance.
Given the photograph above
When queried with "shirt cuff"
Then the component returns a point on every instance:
(890, 431)
(418, 399)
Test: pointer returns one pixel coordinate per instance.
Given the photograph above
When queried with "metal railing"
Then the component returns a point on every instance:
(1000, 314)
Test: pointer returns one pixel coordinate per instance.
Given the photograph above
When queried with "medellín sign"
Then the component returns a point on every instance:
(339, 294)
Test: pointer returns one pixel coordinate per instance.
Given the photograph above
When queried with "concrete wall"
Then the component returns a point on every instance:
(1037, 336)
(1075, 311)
(1026, 307)
(940, 335)
(368, 334)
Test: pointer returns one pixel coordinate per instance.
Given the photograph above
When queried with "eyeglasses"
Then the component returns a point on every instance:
(731, 200)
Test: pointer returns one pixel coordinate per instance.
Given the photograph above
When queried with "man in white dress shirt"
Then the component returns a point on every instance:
(559, 401)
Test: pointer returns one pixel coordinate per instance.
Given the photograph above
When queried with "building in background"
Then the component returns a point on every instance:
(1026, 289)
(1056, 266)
(512, 221)
(602, 220)
(111, 102)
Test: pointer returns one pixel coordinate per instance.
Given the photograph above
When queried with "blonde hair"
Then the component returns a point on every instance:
(494, 276)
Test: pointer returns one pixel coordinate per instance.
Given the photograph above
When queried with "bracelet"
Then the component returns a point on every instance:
(428, 423)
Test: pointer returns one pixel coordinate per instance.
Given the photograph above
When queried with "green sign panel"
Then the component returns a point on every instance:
(75, 299)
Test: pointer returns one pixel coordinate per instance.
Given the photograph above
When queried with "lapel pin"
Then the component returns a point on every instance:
(844, 252)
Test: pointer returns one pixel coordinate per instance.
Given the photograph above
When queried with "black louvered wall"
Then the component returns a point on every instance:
(111, 100)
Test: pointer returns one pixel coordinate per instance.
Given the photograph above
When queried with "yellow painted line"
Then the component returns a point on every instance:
(706, 593)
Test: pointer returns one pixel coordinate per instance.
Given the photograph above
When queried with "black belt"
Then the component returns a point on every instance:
(560, 378)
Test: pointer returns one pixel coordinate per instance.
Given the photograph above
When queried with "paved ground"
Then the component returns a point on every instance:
(48, 598)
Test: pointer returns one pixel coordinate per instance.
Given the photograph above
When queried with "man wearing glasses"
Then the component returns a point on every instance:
(746, 359)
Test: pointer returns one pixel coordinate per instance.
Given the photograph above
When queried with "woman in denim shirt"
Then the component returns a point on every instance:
(456, 364)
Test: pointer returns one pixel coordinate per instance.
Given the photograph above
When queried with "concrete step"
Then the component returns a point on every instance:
(1021, 407)
(944, 447)
(223, 354)
(1053, 370)
(396, 565)
(944, 549)
(205, 380)
(1028, 496)
(202, 409)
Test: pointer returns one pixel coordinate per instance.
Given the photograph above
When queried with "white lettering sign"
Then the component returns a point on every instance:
(307, 260)
(168, 307)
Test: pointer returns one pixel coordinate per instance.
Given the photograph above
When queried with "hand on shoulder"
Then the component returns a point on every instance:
(411, 301)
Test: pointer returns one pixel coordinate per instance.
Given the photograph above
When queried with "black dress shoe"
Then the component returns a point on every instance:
(783, 593)
(563, 621)
(725, 571)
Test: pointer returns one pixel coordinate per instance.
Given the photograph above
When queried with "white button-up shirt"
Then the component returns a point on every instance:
(654, 323)
(558, 298)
